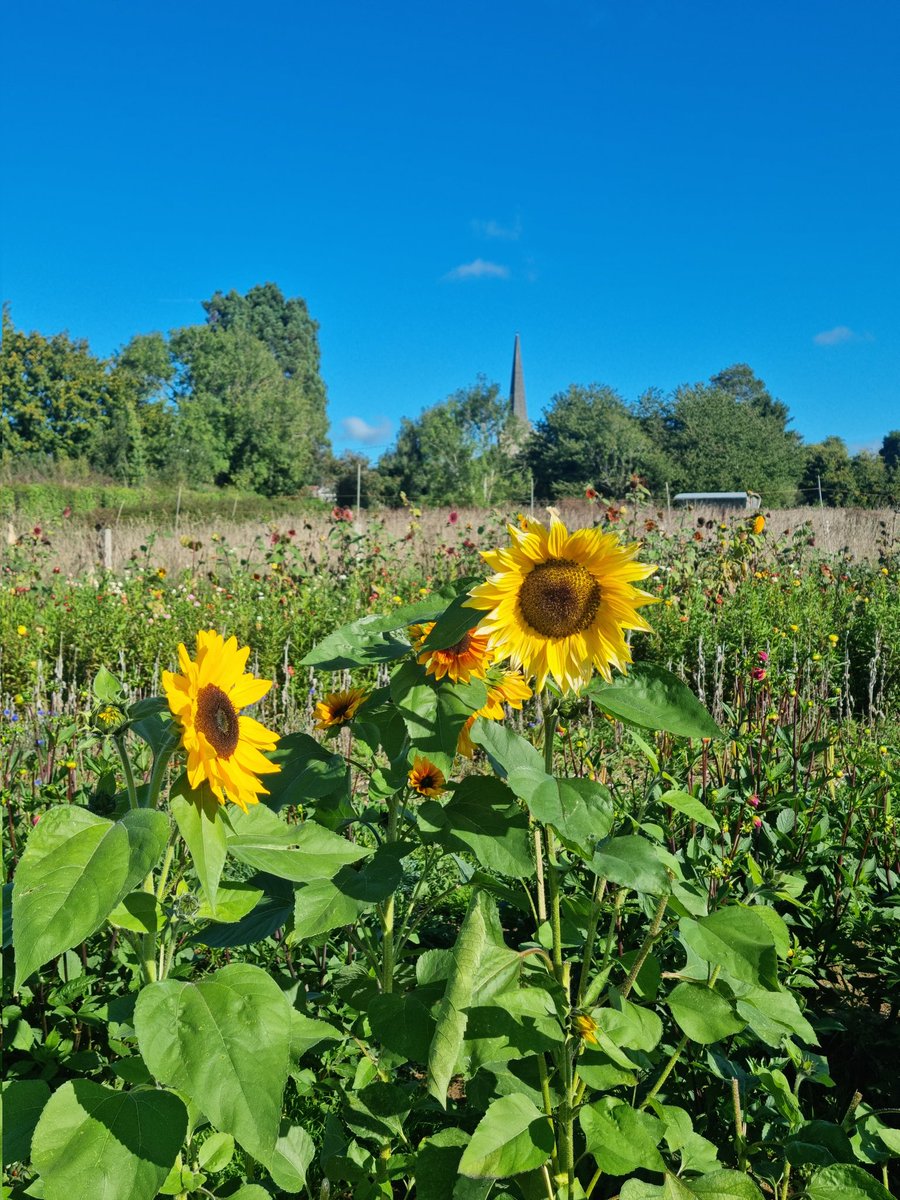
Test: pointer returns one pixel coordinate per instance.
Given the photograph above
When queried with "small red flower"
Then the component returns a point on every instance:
(758, 674)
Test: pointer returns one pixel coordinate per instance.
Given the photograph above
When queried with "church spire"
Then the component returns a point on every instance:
(517, 405)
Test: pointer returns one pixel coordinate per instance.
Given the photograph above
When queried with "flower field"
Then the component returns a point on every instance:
(368, 872)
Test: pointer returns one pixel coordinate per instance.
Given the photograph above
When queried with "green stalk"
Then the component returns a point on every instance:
(158, 773)
(126, 767)
(387, 909)
(593, 923)
(652, 935)
(666, 1072)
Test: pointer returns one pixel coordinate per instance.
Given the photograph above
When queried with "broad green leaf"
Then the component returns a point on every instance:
(403, 1024)
(140, 912)
(580, 810)
(506, 749)
(725, 1185)
(106, 688)
(321, 906)
(370, 639)
(435, 712)
(307, 1032)
(719, 1185)
(620, 1138)
(216, 1152)
(269, 914)
(703, 1014)
(774, 1015)
(200, 822)
(512, 1137)
(845, 1181)
(630, 1025)
(451, 1018)
(437, 1169)
(94, 1141)
(23, 1102)
(738, 940)
(234, 901)
(308, 772)
(635, 862)
(483, 818)
(75, 870)
(250, 1191)
(452, 625)
(685, 803)
(672, 1189)
(654, 698)
(294, 1151)
(378, 877)
(820, 1143)
(300, 852)
(225, 1043)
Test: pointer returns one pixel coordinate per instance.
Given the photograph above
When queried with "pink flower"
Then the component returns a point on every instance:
(453, 517)
(762, 656)
(754, 801)
(757, 822)
(758, 674)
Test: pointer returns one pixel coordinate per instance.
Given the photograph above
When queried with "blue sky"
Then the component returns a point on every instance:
(646, 190)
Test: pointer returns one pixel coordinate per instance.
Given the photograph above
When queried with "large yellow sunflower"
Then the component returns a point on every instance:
(224, 749)
(559, 603)
(459, 662)
(510, 689)
(339, 707)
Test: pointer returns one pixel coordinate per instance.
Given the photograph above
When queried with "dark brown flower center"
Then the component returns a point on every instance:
(217, 720)
(461, 646)
(427, 782)
(340, 709)
(559, 597)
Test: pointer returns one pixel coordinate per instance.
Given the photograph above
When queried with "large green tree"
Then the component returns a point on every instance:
(589, 435)
(241, 421)
(54, 395)
(730, 435)
(289, 333)
(464, 450)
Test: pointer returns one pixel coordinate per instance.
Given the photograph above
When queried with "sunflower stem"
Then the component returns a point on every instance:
(387, 910)
(158, 773)
(126, 767)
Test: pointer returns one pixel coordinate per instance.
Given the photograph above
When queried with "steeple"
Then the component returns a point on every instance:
(517, 388)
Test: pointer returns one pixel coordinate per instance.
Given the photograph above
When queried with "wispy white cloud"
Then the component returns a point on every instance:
(494, 229)
(479, 268)
(358, 430)
(840, 336)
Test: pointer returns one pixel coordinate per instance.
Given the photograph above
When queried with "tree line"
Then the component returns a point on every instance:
(239, 401)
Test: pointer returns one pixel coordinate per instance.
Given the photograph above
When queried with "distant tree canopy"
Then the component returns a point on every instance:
(462, 451)
(240, 401)
(236, 401)
(589, 436)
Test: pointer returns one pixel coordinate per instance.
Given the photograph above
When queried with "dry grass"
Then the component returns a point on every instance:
(78, 547)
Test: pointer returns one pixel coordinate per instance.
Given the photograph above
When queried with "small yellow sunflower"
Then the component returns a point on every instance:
(459, 662)
(224, 749)
(425, 778)
(559, 603)
(510, 689)
(586, 1027)
(339, 707)
(759, 523)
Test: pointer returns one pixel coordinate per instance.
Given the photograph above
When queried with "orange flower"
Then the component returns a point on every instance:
(425, 778)
(459, 662)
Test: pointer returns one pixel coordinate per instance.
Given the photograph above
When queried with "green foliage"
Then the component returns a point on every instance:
(588, 435)
(462, 451)
(582, 968)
